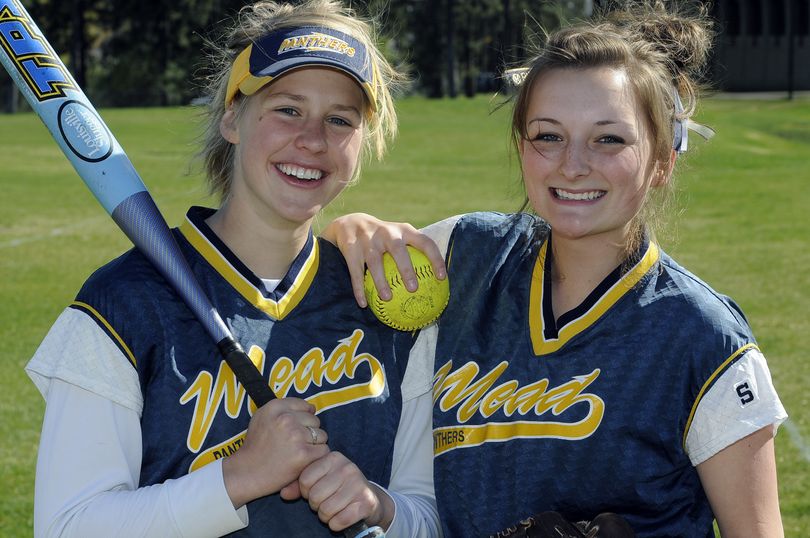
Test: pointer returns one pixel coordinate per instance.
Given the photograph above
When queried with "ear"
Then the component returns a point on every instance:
(228, 127)
(663, 170)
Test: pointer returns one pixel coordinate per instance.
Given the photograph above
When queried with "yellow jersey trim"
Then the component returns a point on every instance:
(275, 309)
(544, 346)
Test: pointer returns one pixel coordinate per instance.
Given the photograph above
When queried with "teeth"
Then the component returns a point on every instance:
(299, 172)
(590, 195)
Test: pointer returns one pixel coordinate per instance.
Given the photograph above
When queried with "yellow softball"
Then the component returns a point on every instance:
(408, 311)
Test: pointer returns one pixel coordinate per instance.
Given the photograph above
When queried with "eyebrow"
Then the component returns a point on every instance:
(348, 108)
(548, 120)
(556, 122)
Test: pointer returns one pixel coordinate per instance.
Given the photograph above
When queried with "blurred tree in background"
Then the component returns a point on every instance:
(148, 52)
(461, 46)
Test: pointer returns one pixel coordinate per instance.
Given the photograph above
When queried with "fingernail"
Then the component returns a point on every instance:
(385, 295)
(411, 285)
(441, 273)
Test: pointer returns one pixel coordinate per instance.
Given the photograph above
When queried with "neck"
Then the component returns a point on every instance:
(578, 266)
(267, 249)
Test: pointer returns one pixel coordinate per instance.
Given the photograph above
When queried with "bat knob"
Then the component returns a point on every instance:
(361, 530)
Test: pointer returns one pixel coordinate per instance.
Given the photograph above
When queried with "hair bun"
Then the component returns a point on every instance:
(684, 33)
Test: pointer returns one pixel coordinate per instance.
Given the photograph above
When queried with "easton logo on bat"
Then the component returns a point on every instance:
(31, 54)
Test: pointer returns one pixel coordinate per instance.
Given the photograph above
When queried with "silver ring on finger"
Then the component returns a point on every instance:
(313, 434)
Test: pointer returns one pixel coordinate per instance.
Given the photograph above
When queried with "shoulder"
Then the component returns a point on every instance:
(499, 224)
(83, 352)
(126, 291)
(712, 307)
(504, 230)
(331, 263)
(130, 270)
(709, 328)
(485, 245)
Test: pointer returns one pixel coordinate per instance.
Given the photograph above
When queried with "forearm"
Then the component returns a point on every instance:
(87, 478)
(189, 506)
(416, 516)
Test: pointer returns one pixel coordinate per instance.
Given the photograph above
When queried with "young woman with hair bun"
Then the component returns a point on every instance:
(578, 368)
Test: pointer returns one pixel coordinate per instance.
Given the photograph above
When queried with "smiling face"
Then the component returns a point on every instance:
(587, 160)
(297, 143)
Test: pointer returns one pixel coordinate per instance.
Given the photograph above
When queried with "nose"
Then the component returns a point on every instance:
(574, 162)
(312, 136)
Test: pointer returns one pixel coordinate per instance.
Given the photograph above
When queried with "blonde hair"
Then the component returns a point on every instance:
(662, 51)
(261, 18)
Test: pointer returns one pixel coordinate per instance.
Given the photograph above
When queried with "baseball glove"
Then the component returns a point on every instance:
(554, 525)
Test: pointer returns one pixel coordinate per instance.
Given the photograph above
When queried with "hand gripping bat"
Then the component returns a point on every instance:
(109, 174)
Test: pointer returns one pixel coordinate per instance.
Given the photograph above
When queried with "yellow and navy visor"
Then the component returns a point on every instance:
(302, 46)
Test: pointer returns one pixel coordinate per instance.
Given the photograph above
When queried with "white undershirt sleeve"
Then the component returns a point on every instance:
(440, 232)
(411, 485)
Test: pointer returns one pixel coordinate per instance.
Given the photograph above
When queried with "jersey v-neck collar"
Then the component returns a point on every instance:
(549, 335)
(277, 303)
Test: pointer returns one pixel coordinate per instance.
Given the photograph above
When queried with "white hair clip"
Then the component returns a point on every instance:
(515, 77)
(680, 142)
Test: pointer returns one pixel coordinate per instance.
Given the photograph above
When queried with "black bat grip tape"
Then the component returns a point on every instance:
(256, 387)
(245, 371)
(361, 530)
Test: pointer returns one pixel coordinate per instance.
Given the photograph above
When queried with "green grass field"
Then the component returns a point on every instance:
(742, 226)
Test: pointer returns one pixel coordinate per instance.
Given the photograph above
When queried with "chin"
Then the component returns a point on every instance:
(298, 215)
(568, 234)
(572, 231)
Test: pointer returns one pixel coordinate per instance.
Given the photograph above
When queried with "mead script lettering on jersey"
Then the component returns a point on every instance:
(539, 410)
(315, 367)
